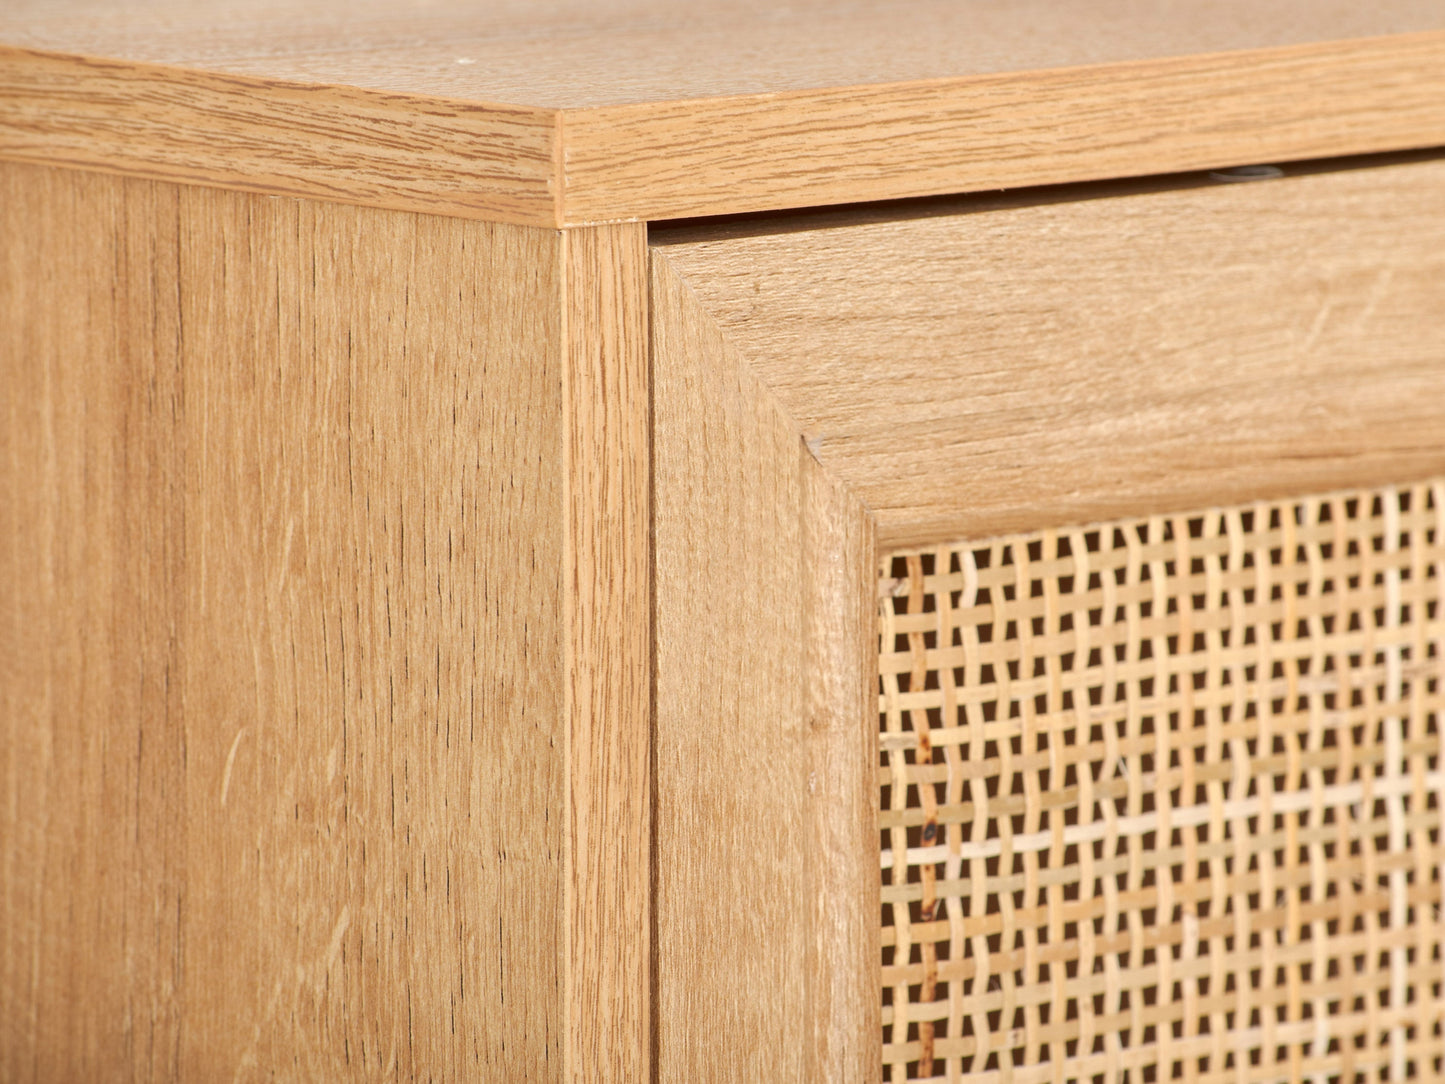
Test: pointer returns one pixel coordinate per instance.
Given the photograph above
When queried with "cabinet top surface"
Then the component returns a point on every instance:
(589, 111)
(580, 54)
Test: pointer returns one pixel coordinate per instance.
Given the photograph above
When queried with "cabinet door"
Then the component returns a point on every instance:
(1116, 510)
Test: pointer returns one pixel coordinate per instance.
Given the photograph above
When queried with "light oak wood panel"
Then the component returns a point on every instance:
(840, 640)
(374, 624)
(567, 112)
(858, 144)
(586, 54)
(283, 733)
(607, 593)
(92, 721)
(767, 902)
(978, 367)
(255, 134)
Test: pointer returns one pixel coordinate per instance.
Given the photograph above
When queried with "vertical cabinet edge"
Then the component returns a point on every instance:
(607, 605)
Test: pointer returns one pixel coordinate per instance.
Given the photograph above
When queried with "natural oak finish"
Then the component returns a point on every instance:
(1002, 366)
(768, 896)
(92, 751)
(439, 629)
(586, 54)
(855, 144)
(281, 138)
(607, 594)
(323, 683)
(830, 384)
(570, 112)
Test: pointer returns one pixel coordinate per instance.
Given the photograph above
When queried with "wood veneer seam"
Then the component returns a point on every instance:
(845, 487)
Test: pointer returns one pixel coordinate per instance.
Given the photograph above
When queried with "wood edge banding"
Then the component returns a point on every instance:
(726, 155)
(607, 596)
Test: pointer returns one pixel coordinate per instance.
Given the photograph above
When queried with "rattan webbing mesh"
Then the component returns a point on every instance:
(1161, 798)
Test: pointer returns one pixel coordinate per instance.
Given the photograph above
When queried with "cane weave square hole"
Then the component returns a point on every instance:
(1161, 798)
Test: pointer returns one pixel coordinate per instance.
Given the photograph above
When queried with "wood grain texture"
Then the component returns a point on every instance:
(570, 112)
(588, 54)
(92, 753)
(472, 160)
(766, 906)
(986, 366)
(608, 600)
(858, 144)
(283, 703)
(840, 641)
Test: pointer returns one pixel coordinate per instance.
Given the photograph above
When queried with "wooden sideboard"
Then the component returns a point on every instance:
(620, 541)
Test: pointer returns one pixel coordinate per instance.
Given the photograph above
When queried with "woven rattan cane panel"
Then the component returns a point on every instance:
(1161, 798)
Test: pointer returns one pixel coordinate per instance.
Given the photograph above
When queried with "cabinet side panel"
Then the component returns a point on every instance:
(349, 599)
(762, 736)
(92, 840)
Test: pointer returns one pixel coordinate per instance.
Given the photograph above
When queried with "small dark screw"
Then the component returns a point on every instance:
(1246, 173)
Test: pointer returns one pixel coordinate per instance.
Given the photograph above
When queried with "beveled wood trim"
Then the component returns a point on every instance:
(984, 368)
(841, 682)
(768, 890)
